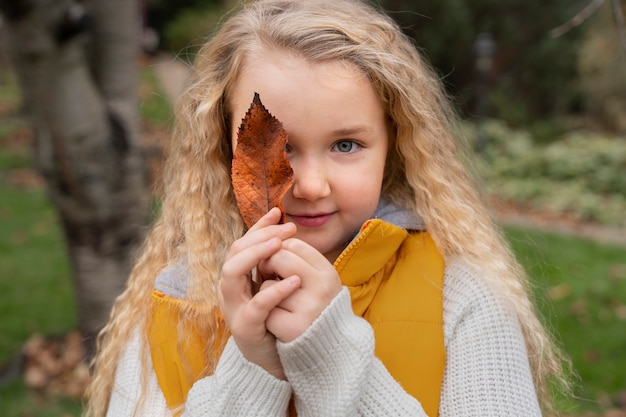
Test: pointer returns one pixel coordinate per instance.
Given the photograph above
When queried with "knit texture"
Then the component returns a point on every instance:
(128, 383)
(332, 370)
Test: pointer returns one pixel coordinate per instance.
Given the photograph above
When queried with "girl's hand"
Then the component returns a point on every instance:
(244, 312)
(319, 284)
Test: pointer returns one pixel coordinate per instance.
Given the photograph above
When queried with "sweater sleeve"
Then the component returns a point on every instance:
(487, 367)
(238, 388)
(333, 371)
(127, 387)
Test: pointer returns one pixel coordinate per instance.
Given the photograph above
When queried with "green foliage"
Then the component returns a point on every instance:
(191, 28)
(154, 104)
(533, 74)
(582, 174)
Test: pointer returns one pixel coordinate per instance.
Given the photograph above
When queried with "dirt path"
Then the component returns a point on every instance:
(561, 224)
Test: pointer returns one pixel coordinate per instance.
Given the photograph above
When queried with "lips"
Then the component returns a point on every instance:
(316, 220)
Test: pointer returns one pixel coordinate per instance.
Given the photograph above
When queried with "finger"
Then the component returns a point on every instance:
(285, 325)
(307, 252)
(260, 234)
(271, 295)
(320, 283)
(284, 263)
(290, 303)
(236, 272)
(267, 283)
(297, 257)
(271, 217)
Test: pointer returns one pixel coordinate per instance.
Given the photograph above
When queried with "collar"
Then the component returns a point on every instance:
(363, 265)
(398, 216)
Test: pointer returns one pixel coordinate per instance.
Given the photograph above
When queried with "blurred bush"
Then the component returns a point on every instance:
(532, 74)
(191, 28)
(582, 174)
(183, 26)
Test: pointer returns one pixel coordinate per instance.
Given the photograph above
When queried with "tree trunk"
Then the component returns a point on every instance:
(82, 107)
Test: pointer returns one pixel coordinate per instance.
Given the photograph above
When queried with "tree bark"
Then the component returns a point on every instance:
(77, 67)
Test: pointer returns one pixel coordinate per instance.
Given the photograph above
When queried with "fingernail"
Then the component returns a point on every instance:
(292, 281)
(286, 226)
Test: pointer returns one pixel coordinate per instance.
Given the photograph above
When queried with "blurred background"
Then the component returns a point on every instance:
(86, 95)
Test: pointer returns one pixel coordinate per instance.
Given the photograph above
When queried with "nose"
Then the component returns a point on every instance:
(310, 179)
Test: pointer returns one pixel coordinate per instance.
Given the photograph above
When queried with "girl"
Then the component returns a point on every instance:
(399, 295)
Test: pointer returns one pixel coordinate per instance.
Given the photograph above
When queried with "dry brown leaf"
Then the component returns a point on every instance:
(261, 174)
(56, 365)
(560, 291)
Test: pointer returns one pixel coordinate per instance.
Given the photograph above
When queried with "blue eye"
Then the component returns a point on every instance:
(345, 146)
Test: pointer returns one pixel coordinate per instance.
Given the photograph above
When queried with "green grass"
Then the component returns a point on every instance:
(581, 290)
(35, 271)
(17, 401)
(36, 293)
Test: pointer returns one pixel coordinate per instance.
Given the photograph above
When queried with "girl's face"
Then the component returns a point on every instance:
(337, 146)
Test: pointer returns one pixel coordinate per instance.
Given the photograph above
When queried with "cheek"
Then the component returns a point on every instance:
(360, 189)
(368, 175)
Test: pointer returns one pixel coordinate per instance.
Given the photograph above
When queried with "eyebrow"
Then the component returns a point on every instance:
(354, 130)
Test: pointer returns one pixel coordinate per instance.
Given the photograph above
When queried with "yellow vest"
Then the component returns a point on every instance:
(395, 280)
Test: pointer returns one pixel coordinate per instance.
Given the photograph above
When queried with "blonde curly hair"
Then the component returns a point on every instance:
(200, 219)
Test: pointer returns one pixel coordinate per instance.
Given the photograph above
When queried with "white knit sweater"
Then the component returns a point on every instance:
(332, 369)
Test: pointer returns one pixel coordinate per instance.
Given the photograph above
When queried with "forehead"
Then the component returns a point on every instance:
(266, 64)
(289, 84)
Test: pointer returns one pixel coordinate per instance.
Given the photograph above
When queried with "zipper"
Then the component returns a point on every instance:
(365, 231)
